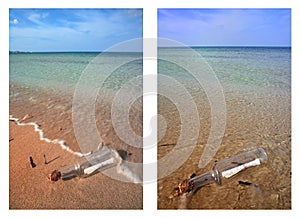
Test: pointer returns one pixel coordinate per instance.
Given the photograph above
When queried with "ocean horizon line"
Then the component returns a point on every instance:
(48, 52)
(159, 47)
(200, 46)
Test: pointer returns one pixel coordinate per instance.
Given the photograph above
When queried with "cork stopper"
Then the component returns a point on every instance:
(54, 175)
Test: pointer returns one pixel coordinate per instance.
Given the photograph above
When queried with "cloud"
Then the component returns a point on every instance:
(70, 30)
(37, 18)
(135, 12)
(14, 21)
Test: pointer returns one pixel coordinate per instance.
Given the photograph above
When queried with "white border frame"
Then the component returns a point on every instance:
(150, 31)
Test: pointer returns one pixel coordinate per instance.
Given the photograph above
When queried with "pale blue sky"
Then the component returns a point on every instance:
(40, 30)
(226, 27)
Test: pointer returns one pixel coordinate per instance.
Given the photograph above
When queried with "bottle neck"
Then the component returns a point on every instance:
(204, 179)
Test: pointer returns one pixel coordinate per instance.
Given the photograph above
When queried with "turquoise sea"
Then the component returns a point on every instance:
(43, 86)
(256, 85)
(255, 81)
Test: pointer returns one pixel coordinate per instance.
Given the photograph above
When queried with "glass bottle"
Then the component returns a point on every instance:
(229, 167)
(88, 165)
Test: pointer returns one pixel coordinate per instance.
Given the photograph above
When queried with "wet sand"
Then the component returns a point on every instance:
(254, 119)
(29, 187)
(52, 110)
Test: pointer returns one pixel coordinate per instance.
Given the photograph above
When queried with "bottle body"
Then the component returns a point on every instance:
(88, 165)
(229, 167)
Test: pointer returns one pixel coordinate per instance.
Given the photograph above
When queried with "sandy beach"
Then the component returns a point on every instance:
(257, 96)
(29, 187)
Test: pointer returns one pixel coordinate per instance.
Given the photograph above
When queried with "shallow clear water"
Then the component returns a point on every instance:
(42, 85)
(256, 83)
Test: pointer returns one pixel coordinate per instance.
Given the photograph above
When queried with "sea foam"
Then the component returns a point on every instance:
(122, 168)
(41, 134)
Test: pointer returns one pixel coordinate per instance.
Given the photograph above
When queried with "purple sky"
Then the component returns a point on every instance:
(226, 27)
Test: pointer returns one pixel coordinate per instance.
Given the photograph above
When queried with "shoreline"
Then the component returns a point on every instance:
(53, 113)
(29, 187)
(37, 129)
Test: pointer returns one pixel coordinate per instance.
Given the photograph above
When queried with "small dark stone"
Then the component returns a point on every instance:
(33, 165)
(193, 175)
(245, 183)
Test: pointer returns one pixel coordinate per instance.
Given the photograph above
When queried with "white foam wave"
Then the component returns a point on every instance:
(41, 134)
(125, 170)
(122, 167)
